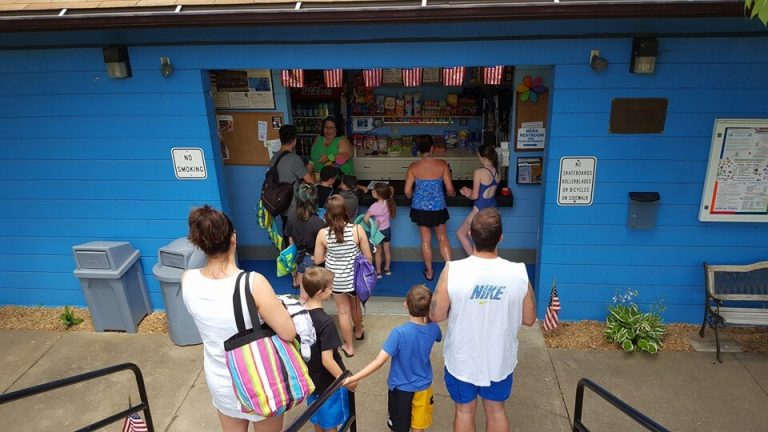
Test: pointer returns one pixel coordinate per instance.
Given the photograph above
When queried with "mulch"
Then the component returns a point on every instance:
(579, 335)
(47, 319)
(588, 335)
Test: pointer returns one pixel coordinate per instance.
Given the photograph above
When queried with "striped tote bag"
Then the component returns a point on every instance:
(269, 375)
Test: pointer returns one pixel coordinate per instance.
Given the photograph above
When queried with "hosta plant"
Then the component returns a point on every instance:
(632, 329)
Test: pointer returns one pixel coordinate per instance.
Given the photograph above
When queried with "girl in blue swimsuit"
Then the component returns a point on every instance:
(483, 192)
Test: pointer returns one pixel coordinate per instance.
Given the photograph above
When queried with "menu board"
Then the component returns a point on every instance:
(736, 186)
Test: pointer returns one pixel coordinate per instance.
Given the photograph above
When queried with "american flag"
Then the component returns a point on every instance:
(134, 423)
(372, 77)
(333, 77)
(453, 76)
(492, 75)
(292, 77)
(412, 77)
(550, 318)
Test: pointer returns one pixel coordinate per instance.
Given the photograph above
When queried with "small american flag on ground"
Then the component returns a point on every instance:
(550, 318)
(134, 423)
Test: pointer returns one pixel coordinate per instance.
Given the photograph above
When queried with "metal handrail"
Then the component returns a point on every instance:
(622, 406)
(53, 385)
(350, 424)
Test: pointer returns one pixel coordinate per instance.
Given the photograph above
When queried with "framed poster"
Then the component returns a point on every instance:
(431, 76)
(736, 185)
(529, 170)
(243, 89)
(392, 76)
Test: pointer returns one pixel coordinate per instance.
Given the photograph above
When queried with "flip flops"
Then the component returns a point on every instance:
(428, 278)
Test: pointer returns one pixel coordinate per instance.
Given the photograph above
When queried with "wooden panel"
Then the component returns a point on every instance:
(242, 141)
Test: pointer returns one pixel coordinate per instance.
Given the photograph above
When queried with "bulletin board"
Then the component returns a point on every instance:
(528, 112)
(736, 186)
(239, 134)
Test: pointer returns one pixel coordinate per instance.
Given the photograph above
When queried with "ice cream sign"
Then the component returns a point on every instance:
(189, 163)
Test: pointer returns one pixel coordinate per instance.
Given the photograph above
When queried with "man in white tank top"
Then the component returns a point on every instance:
(485, 299)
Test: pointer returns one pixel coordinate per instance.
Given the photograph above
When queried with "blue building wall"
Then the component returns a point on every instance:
(86, 158)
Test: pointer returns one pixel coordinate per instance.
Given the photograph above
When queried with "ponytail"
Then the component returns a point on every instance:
(386, 193)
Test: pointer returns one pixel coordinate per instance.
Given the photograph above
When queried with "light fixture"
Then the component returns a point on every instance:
(166, 68)
(596, 62)
(116, 59)
(644, 52)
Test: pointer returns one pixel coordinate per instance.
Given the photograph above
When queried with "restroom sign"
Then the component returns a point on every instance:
(577, 180)
(189, 163)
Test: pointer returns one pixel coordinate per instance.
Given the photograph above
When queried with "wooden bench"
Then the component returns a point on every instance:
(733, 296)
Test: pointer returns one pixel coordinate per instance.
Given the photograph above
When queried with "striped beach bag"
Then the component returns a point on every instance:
(269, 375)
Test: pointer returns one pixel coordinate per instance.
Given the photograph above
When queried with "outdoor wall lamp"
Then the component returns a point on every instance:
(644, 53)
(596, 62)
(166, 68)
(116, 60)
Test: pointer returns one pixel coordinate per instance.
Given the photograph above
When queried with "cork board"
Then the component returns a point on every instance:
(240, 144)
(530, 112)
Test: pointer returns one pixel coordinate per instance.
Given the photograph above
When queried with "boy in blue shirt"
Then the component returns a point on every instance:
(410, 375)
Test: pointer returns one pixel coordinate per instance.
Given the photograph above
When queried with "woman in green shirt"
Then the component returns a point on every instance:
(331, 149)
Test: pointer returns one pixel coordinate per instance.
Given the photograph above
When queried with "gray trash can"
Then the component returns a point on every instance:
(172, 260)
(113, 283)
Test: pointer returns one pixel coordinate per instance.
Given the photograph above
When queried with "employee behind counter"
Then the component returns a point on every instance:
(332, 148)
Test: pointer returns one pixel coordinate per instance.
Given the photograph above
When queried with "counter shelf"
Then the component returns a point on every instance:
(456, 201)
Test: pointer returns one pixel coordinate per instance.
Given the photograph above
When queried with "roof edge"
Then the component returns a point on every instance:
(237, 15)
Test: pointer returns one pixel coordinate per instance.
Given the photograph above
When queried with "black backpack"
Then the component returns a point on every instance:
(276, 195)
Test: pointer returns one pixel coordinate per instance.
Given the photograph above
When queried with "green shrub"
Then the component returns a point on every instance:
(632, 329)
(68, 317)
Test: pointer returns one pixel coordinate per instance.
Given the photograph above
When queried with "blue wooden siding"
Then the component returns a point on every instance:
(87, 158)
(589, 250)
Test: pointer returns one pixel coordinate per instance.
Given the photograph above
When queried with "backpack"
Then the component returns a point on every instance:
(276, 195)
(303, 323)
(364, 277)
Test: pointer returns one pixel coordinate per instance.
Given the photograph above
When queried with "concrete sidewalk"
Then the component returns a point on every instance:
(681, 391)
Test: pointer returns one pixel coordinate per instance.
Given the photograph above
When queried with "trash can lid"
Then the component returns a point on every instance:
(167, 274)
(105, 271)
(180, 254)
(103, 255)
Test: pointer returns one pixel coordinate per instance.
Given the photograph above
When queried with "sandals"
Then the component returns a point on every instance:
(428, 278)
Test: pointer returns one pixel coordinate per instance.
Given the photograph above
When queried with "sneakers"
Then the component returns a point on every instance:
(388, 272)
(378, 276)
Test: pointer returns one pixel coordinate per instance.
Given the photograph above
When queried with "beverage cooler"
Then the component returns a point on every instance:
(310, 104)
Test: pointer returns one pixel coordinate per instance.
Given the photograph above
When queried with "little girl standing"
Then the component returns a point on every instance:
(382, 211)
(483, 192)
